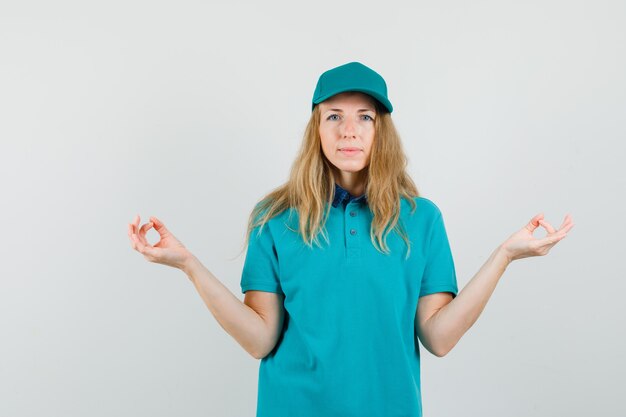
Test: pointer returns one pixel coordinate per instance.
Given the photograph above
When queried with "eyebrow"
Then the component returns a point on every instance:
(360, 110)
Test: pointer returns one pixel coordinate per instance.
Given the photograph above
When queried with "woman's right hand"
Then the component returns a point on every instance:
(167, 251)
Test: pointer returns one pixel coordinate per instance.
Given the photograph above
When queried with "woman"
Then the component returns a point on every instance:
(336, 320)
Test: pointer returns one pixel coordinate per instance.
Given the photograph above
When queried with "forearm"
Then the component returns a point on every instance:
(239, 320)
(449, 324)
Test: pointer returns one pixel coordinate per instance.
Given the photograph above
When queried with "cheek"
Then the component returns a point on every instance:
(370, 140)
(325, 143)
(326, 137)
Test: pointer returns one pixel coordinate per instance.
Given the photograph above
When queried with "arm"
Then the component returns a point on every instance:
(255, 324)
(442, 320)
(243, 323)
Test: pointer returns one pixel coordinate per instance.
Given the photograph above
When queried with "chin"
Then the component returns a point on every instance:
(350, 167)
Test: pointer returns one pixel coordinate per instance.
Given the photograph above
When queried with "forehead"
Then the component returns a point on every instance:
(349, 98)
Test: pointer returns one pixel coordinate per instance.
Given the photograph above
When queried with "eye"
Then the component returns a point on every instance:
(328, 118)
(370, 117)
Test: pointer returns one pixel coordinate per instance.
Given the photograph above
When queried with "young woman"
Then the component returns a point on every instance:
(347, 267)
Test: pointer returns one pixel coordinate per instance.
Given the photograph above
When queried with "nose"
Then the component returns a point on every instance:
(349, 128)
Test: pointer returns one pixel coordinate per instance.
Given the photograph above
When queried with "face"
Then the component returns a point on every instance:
(347, 132)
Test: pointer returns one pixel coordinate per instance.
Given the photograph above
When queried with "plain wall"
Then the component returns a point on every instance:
(192, 111)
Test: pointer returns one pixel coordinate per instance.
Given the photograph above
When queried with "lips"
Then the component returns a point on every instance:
(350, 151)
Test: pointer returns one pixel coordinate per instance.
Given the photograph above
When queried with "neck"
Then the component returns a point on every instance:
(353, 182)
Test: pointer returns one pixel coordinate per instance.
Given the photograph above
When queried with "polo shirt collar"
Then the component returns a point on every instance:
(342, 196)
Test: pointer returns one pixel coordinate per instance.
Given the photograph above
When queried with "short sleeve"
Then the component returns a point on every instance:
(260, 269)
(439, 273)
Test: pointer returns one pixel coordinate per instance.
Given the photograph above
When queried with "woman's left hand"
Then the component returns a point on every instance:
(522, 244)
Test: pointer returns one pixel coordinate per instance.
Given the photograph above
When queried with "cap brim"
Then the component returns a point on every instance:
(374, 94)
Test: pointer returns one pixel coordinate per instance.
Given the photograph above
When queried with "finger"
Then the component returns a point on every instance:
(136, 224)
(136, 243)
(133, 228)
(534, 222)
(141, 247)
(130, 235)
(144, 229)
(552, 239)
(142, 233)
(547, 226)
(159, 226)
(567, 227)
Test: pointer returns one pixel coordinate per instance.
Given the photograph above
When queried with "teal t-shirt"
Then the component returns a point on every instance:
(348, 346)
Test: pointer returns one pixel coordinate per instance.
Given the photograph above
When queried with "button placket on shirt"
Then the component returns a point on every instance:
(352, 229)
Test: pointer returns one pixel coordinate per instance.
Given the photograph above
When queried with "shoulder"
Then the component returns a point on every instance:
(277, 223)
(425, 208)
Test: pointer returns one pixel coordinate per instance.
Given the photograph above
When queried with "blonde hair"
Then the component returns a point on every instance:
(311, 186)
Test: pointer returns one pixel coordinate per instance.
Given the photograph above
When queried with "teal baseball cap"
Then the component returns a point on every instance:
(352, 76)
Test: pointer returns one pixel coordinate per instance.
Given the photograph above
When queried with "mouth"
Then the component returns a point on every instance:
(349, 151)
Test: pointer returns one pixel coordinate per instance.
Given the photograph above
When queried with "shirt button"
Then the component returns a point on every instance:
(353, 213)
(352, 231)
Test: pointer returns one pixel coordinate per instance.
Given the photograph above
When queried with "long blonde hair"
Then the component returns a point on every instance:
(311, 186)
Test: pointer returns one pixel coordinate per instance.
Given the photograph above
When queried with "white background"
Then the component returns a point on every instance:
(192, 111)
